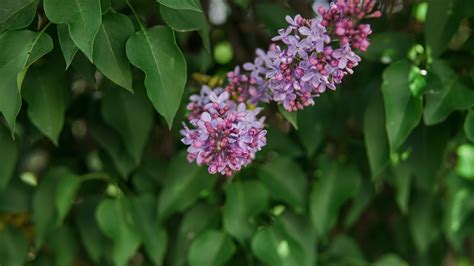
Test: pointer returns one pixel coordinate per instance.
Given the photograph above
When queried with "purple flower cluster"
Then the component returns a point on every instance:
(305, 59)
(313, 54)
(225, 136)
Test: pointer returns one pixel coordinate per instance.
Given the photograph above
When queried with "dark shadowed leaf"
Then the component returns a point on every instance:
(8, 157)
(68, 47)
(244, 200)
(211, 248)
(114, 219)
(388, 47)
(337, 183)
(285, 180)
(184, 184)
(445, 93)
(13, 246)
(64, 246)
(131, 115)
(66, 188)
(44, 90)
(469, 125)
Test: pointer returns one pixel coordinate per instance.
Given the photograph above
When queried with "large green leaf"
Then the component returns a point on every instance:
(182, 4)
(442, 21)
(131, 115)
(94, 242)
(153, 234)
(184, 184)
(17, 14)
(63, 245)
(244, 200)
(66, 188)
(44, 90)
(187, 20)
(469, 125)
(424, 222)
(115, 221)
(68, 48)
(337, 184)
(403, 107)
(403, 177)
(13, 246)
(200, 217)
(156, 53)
(19, 50)
(426, 147)
(211, 248)
(286, 182)
(8, 157)
(109, 49)
(445, 93)
(375, 136)
(83, 18)
(290, 241)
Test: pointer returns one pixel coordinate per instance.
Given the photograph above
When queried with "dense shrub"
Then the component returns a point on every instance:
(94, 171)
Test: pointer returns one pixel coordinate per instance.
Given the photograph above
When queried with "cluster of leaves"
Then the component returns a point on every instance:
(378, 172)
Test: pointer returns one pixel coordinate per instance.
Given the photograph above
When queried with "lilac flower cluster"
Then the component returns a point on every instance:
(225, 136)
(305, 59)
(314, 54)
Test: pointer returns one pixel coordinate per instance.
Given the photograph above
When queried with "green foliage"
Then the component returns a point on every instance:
(93, 172)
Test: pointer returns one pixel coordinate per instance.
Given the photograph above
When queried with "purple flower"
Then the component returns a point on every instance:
(225, 137)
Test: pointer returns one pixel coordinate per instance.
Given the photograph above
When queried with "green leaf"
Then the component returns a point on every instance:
(156, 53)
(402, 108)
(343, 250)
(68, 47)
(109, 49)
(85, 68)
(403, 177)
(20, 50)
(244, 201)
(469, 125)
(110, 142)
(312, 122)
(337, 184)
(182, 4)
(388, 47)
(16, 197)
(200, 217)
(94, 242)
(114, 219)
(153, 234)
(292, 117)
(184, 184)
(426, 148)
(131, 115)
(273, 15)
(17, 14)
(211, 248)
(424, 225)
(442, 21)
(83, 18)
(359, 203)
(8, 157)
(187, 20)
(289, 241)
(63, 245)
(281, 143)
(44, 213)
(286, 181)
(13, 246)
(390, 260)
(66, 188)
(44, 90)
(445, 93)
(375, 136)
